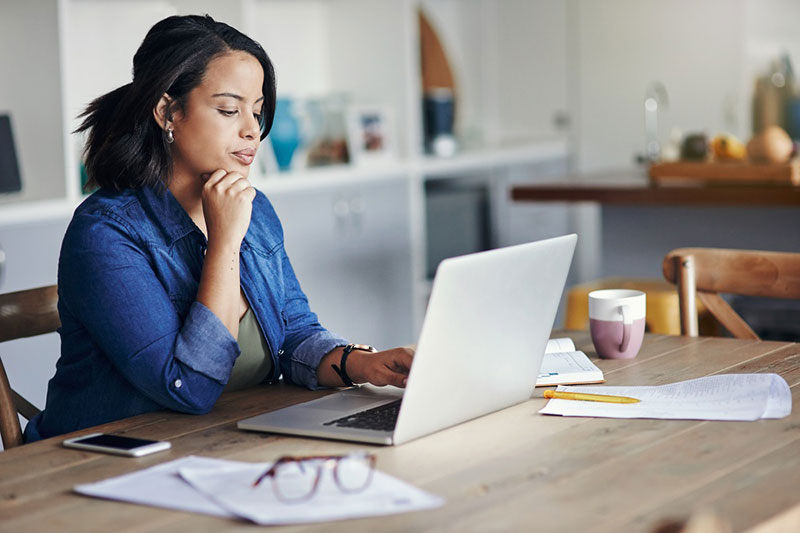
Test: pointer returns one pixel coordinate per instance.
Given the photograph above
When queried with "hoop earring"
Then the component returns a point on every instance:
(170, 136)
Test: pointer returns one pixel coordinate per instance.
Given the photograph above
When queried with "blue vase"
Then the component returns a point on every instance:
(285, 133)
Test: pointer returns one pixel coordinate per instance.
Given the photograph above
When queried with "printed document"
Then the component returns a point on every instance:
(231, 486)
(224, 488)
(718, 397)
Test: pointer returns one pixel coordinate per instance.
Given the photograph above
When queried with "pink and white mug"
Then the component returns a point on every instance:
(616, 322)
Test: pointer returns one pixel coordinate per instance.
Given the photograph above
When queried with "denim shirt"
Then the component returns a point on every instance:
(133, 337)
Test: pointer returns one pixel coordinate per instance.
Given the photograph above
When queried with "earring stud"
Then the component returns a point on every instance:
(170, 136)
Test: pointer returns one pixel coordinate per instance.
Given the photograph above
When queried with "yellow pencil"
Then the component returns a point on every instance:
(588, 397)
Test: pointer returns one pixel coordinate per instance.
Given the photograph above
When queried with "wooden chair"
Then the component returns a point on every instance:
(707, 272)
(22, 314)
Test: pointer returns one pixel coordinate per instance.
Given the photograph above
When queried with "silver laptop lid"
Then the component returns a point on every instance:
(483, 338)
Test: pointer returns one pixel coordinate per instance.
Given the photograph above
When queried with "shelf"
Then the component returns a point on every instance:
(332, 176)
(471, 161)
(476, 161)
(36, 211)
(488, 158)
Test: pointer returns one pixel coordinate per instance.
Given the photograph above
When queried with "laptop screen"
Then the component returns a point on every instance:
(9, 170)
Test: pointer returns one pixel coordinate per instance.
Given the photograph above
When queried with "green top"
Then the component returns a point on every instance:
(254, 363)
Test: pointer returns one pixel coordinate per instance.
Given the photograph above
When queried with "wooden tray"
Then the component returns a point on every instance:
(679, 172)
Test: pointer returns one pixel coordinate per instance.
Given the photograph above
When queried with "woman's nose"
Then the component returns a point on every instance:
(252, 128)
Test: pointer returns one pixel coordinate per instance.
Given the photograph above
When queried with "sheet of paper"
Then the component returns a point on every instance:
(719, 397)
(224, 488)
(231, 486)
(779, 404)
(564, 344)
(159, 486)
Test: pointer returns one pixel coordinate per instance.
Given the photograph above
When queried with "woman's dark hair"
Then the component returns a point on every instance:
(126, 148)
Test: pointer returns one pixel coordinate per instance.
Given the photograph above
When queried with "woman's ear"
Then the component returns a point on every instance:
(162, 113)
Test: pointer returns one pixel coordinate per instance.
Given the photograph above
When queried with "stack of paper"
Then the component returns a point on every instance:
(563, 365)
(720, 397)
(225, 488)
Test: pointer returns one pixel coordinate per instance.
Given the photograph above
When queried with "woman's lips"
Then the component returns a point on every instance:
(246, 156)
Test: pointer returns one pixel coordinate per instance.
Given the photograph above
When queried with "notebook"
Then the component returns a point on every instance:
(485, 330)
(564, 365)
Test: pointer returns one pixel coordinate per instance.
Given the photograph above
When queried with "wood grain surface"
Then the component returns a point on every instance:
(512, 470)
(651, 195)
(737, 172)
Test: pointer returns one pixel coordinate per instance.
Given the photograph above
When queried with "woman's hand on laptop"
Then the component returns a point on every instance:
(389, 367)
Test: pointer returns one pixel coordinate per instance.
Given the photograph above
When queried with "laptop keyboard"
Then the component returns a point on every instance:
(381, 418)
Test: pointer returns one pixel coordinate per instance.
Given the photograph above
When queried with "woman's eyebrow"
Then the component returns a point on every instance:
(235, 96)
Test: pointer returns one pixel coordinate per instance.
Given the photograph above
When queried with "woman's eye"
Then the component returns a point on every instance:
(227, 113)
(257, 117)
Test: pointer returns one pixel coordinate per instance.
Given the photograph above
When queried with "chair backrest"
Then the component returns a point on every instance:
(707, 272)
(22, 314)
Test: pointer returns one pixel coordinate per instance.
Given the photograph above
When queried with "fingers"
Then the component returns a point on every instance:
(403, 358)
(395, 379)
(232, 182)
(214, 177)
(391, 367)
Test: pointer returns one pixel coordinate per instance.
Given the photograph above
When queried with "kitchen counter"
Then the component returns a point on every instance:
(626, 188)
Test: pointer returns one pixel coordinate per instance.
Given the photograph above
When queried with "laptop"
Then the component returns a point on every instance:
(482, 342)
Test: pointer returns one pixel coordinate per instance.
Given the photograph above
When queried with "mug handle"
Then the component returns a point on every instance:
(627, 324)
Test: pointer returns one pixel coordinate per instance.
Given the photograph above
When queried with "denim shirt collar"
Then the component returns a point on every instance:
(167, 214)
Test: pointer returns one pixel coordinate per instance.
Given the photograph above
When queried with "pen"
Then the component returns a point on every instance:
(588, 397)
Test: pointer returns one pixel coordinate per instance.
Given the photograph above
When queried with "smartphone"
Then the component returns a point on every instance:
(117, 444)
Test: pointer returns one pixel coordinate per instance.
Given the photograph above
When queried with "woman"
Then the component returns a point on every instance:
(173, 280)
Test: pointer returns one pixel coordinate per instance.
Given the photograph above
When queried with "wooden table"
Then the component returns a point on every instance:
(511, 470)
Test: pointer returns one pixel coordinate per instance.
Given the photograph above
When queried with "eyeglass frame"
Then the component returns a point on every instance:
(328, 460)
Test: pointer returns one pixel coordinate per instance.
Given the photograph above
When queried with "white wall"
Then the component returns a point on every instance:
(693, 48)
(107, 34)
(302, 61)
(536, 75)
(28, 93)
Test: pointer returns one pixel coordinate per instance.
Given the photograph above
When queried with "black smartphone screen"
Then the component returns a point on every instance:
(116, 441)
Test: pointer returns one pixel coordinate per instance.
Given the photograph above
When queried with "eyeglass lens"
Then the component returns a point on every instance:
(298, 480)
(353, 473)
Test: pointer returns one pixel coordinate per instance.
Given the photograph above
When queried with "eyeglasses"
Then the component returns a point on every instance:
(296, 479)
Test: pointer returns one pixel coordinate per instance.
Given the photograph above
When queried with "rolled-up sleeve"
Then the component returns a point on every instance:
(306, 341)
(201, 329)
(107, 282)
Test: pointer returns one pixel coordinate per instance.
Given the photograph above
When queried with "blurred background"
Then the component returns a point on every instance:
(402, 126)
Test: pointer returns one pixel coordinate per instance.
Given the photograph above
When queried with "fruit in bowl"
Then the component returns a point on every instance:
(727, 148)
(694, 147)
(773, 145)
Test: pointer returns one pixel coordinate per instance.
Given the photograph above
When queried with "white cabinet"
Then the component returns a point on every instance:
(30, 252)
(350, 247)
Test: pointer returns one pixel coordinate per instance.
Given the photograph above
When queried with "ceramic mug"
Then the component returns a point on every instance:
(616, 322)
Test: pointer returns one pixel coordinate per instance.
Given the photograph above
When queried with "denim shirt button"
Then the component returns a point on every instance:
(178, 383)
(280, 352)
